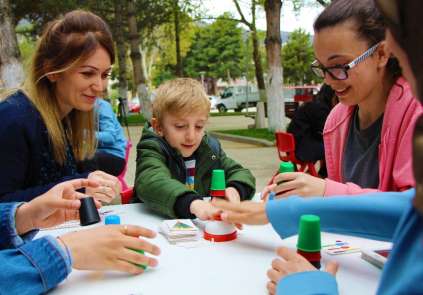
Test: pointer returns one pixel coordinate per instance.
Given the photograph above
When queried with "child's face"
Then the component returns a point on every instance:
(183, 133)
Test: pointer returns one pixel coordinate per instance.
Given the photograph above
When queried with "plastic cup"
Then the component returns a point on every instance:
(112, 219)
(88, 213)
(218, 180)
(309, 239)
(286, 167)
(140, 265)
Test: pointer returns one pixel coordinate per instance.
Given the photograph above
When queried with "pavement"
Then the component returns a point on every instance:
(262, 161)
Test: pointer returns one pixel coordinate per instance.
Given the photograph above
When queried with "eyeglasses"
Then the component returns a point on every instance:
(340, 72)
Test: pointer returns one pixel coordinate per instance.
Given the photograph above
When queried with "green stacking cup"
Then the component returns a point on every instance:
(309, 234)
(286, 167)
(218, 180)
(141, 252)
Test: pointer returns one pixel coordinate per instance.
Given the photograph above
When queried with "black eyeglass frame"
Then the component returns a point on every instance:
(321, 71)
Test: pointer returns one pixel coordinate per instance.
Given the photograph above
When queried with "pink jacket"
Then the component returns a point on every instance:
(395, 148)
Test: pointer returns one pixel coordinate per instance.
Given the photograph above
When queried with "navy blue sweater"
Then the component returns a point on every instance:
(27, 165)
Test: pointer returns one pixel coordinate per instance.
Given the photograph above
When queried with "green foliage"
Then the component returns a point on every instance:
(217, 50)
(297, 55)
(261, 133)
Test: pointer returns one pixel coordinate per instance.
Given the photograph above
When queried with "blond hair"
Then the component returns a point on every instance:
(64, 44)
(180, 96)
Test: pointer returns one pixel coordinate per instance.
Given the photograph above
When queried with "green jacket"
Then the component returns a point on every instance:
(160, 174)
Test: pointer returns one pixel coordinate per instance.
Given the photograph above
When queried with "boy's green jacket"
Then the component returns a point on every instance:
(160, 174)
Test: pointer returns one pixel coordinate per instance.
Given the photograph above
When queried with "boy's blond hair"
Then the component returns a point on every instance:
(180, 96)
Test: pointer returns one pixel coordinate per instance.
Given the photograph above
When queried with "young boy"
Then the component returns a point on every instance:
(175, 157)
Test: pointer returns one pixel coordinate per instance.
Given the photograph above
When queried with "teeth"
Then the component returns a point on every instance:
(341, 90)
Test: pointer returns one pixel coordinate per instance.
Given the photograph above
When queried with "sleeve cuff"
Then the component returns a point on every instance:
(53, 264)
(308, 283)
(9, 238)
(183, 204)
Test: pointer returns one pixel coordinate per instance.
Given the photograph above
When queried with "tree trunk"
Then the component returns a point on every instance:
(11, 71)
(179, 69)
(260, 121)
(275, 101)
(121, 48)
(139, 78)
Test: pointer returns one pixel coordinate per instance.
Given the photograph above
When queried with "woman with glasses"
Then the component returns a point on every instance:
(367, 136)
(395, 216)
(48, 126)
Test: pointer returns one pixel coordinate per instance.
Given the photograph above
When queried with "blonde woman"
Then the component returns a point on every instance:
(48, 125)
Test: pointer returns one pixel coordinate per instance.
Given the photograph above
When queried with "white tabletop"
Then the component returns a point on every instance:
(237, 267)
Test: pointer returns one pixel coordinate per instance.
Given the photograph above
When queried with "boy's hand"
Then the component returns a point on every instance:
(232, 195)
(58, 205)
(203, 210)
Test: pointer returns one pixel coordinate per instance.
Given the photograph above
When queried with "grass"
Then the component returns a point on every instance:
(262, 133)
(135, 119)
(227, 114)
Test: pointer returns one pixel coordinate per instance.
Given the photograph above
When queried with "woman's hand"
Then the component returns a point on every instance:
(58, 205)
(109, 248)
(298, 183)
(204, 210)
(290, 263)
(247, 212)
(109, 186)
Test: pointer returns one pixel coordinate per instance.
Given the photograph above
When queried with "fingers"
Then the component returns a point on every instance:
(234, 217)
(137, 258)
(286, 176)
(274, 275)
(65, 204)
(82, 183)
(332, 268)
(271, 287)
(225, 205)
(137, 231)
(266, 191)
(287, 254)
(141, 244)
(125, 266)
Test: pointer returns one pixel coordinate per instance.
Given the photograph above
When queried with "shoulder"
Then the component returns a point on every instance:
(17, 109)
(401, 100)
(337, 116)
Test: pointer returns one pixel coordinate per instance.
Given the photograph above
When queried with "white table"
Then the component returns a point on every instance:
(237, 267)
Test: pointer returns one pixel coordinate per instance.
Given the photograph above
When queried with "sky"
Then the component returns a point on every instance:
(289, 19)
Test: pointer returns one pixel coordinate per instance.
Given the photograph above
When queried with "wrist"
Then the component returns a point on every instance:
(23, 219)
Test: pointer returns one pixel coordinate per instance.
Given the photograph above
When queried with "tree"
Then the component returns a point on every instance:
(216, 51)
(260, 114)
(11, 71)
(297, 55)
(275, 102)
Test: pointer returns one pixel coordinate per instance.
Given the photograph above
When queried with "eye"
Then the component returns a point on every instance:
(106, 76)
(199, 127)
(88, 74)
(179, 126)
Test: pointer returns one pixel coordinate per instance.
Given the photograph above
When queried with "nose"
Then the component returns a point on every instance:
(329, 80)
(189, 135)
(99, 84)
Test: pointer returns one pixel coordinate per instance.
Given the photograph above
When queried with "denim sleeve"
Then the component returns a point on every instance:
(373, 216)
(308, 283)
(9, 238)
(34, 267)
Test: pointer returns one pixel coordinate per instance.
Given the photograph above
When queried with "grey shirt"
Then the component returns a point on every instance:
(361, 153)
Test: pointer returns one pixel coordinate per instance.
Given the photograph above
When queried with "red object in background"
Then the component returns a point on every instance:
(304, 93)
(285, 143)
(134, 108)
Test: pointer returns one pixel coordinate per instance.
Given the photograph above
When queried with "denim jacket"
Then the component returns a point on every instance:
(26, 266)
